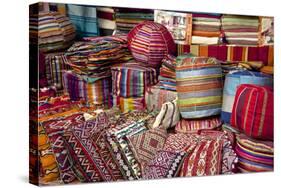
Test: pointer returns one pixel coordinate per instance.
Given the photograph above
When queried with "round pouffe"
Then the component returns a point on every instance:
(149, 42)
(52, 31)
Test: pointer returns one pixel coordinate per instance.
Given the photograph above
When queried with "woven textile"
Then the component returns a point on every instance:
(191, 126)
(232, 81)
(147, 144)
(52, 31)
(131, 79)
(168, 116)
(165, 164)
(167, 76)
(129, 104)
(206, 28)
(204, 160)
(155, 97)
(106, 20)
(199, 86)
(230, 52)
(267, 30)
(180, 142)
(84, 18)
(253, 155)
(267, 70)
(94, 93)
(252, 111)
(149, 42)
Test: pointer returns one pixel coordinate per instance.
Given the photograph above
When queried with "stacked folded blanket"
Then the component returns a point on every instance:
(167, 76)
(128, 18)
(206, 28)
(241, 30)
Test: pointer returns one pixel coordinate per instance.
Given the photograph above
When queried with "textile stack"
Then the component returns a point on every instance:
(91, 60)
(128, 18)
(241, 30)
(106, 20)
(206, 28)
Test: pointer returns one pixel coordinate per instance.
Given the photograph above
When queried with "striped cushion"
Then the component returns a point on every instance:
(149, 42)
(232, 81)
(51, 31)
(131, 79)
(252, 111)
(253, 155)
(129, 104)
(199, 86)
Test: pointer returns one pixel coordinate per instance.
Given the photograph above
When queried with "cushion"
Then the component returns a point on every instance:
(180, 142)
(232, 81)
(165, 164)
(252, 111)
(149, 42)
(168, 117)
(129, 104)
(199, 86)
(194, 125)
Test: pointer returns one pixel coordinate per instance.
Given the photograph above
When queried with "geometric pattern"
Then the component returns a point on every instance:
(181, 142)
(165, 164)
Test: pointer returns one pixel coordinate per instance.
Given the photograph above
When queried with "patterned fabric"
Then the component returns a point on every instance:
(267, 30)
(253, 155)
(51, 31)
(206, 28)
(165, 164)
(93, 93)
(204, 160)
(155, 97)
(168, 117)
(147, 144)
(191, 126)
(232, 81)
(167, 76)
(252, 111)
(131, 79)
(231, 53)
(128, 18)
(241, 30)
(180, 142)
(199, 86)
(106, 20)
(84, 18)
(129, 104)
(149, 42)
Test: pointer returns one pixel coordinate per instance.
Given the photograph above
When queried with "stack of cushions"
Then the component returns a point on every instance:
(155, 97)
(199, 86)
(254, 155)
(51, 31)
(167, 75)
(128, 18)
(252, 111)
(129, 82)
(232, 81)
(241, 30)
(206, 28)
(106, 20)
(84, 18)
(150, 42)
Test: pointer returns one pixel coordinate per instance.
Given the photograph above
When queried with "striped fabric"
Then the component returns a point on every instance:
(230, 52)
(93, 93)
(51, 31)
(199, 86)
(167, 75)
(84, 18)
(252, 111)
(155, 97)
(253, 155)
(149, 42)
(193, 126)
(232, 81)
(131, 79)
(55, 64)
(106, 20)
(129, 104)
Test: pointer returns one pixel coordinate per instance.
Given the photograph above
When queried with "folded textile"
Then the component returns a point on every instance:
(234, 79)
(51, 31)
(106, 20)
(228, 66)
(155, 96)
(129, 104)
(84, 18)
(253, 155)
(204, 40)
(199, 86)
(167, 75)
(132, 78)
(253, 112)
(267, 70)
